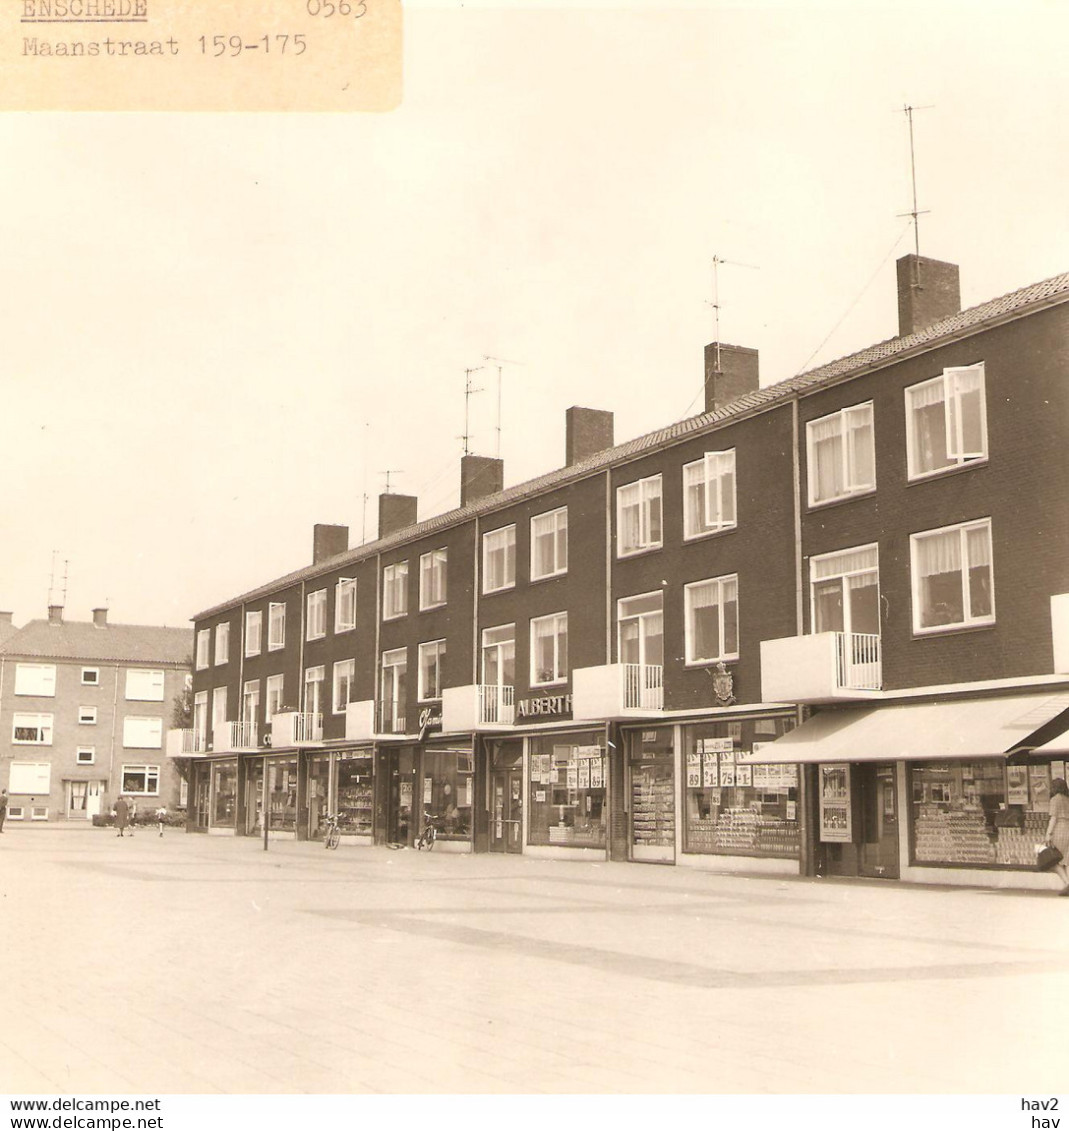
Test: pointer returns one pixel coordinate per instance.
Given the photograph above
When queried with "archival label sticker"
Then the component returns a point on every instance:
(200, 54)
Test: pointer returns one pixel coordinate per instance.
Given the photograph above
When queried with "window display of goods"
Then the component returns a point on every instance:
(953, 838)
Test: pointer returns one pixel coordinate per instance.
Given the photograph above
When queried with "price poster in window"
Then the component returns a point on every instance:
(1017, 785)
(573, 777)
(540, 795)
(694, 771)
(727, 775)
(597, 776)
(835, 824)
(584, 773)
(743, 775)
(428, 788)
(1040, 779)
(710, 772)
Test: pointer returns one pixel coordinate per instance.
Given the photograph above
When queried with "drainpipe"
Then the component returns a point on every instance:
(608, 566)
(114, 718)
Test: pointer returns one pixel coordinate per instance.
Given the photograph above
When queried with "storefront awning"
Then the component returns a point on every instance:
(959, 728)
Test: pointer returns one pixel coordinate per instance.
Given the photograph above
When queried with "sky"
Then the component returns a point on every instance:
(219, 329)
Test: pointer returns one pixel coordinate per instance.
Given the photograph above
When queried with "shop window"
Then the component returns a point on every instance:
(946, 421)
(652, 787)
(499, 559)
(431, 661)
(709, 494)
(549, 544)
(345, 604)
(224, 794)
(141, 780)
(316, 619)
(568, 778)
(142, 733)
(448, 791)
(395, 590)
(32, 730)
(841, 455)
(638, 516)
(952, 577)
(254, 623)
(549, 649)
(432, 579)
(712, 620)
(276, 626)
(985, 813)
(355, 798)
(732, 803)
(282, 793)
(91, 677)
(204, 643)
(344, 674)
(222, 643)
(145, 685)
(35, 679)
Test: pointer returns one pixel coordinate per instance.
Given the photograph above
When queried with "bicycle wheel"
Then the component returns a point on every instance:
(333, 838)
(432, 835)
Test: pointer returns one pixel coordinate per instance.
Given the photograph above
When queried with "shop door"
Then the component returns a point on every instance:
(400, 825)
(506, 810)
(878, 805)
(653, 827)
(254, 797)
(202, 797)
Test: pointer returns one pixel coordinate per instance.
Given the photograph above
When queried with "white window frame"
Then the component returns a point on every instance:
(37, 680)
(219, 710)
(434, 694)
(222, 643)
(718, 510)
(316, 611)
(968, 621)
(395, 590)
(38, 812)
(87, 715)
(560, 665)
(274, 688)
(557, 534)
(344, 673)
(276, 626)
(254, 632)
(433, 566)
(90, 677)
(501, 541)
(83, 750)
(43, 724)
(16, 812)
(641, 618)
(848, 468)
(250, 701)
(313, 700)
(150, 739)
(36, 775)
(200, 719)
(394, 659)
(148, 769)
(951, 380)
(721, 587)
(152, 682)
(344, 601)
(817, 561)
(500, 646)
(646, 492)
(204, 644)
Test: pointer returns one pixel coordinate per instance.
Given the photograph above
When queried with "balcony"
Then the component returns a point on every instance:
(296, 728)
(186, 744)
(617, 691)
(478, 706)
(822, 668)
(360, 721)
(234, 736)
(392, 716)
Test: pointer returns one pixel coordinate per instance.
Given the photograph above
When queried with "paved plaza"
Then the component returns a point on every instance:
(193, 964)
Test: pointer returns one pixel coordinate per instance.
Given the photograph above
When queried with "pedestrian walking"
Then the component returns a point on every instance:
(3, 808)
(1058, 829)
(122, 814)
(133, 816)
(161, 817)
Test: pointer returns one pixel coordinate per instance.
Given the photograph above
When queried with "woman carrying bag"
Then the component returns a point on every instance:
(1058, 829)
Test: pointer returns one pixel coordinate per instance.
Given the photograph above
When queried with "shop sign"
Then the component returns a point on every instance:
(430, 718)
(546, 705)
(716, 745)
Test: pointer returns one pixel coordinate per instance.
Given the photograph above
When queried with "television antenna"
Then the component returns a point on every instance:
(469, 392)
(387, 474)
(499, 362)
(715, 304)
(908, 111)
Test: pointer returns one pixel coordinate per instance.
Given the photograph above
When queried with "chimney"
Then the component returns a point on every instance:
(928, 291)
(100, 618)
(587, 431)
(5, 618)
(734, 376)
(395, 513)
(328, 541)
(480, 476)
(55, 614)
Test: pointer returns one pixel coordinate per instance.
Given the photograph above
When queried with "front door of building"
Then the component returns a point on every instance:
(254, 796)
(77, 800)
(506, 810)
(400, 799)
(878, 812)
(651, 795)
(202, 795)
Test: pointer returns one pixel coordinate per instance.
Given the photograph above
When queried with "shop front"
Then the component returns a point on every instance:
(567, 780)
(505, 832)
(447, 794)
(200, 810)
(354, 801)
(224, 796)
(280, 774)
(253, 793)
(857, 820)
(651, 794)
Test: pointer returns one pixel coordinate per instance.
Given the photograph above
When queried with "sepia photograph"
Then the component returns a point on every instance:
(544, 529)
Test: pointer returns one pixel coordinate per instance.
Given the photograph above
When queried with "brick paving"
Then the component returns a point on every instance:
(191, 964)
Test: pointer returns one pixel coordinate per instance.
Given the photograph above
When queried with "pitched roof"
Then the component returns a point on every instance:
(1016, 304)
(83, 640)
(7, 631)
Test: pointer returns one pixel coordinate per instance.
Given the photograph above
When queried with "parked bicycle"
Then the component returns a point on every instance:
(430, 832)
(331, 831)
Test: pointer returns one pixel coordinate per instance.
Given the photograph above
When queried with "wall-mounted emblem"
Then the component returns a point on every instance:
(723, 685)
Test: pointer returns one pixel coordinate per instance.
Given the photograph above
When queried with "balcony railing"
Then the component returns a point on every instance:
(234, 736)
(293, 728)
(496, 704)
(643, 687)
(393, 715)
(857, 661)
(190, 742)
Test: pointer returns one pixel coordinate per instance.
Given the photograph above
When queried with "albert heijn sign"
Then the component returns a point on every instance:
(544, 706)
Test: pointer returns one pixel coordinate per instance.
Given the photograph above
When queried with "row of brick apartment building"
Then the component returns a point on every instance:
(84, 711)
(798, 633)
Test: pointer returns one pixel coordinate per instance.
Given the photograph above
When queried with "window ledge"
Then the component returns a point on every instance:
(431, 608)
(943, 472)
(868, 493)
(499, 589)
(705, 534)
(953, 629)
(638, 553)
(698, 664)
